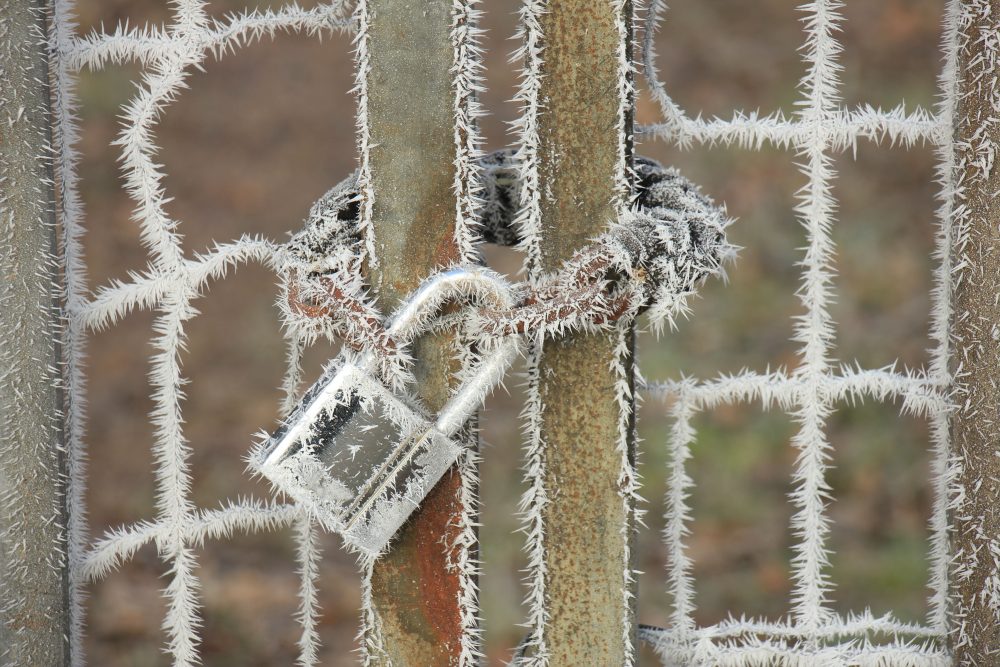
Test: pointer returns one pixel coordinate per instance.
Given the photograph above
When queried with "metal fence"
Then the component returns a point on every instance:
(957, 392)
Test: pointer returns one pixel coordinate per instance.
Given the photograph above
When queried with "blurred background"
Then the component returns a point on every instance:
(264, 132)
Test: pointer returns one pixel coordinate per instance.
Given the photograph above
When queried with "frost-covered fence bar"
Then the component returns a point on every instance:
(34, 616)
(975, 336)
(575, 150)
(423, 590)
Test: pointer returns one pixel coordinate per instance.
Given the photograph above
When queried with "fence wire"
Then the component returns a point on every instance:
(814, 634)
(821, 127)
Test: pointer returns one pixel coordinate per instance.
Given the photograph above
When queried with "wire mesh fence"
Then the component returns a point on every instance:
(820, 127)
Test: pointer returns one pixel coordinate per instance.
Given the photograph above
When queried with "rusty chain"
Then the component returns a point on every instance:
(657, 252)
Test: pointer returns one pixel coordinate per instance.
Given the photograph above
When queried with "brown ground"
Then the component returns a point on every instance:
(264, 132)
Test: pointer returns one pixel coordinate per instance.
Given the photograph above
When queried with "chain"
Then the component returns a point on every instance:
(654, 256)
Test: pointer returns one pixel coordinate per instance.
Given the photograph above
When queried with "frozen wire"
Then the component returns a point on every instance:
(815, 635)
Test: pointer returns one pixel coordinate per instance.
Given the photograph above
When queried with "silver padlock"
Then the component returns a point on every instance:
(361, 457)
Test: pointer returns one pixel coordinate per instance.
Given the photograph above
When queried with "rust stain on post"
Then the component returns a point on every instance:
(579, 152)
(975, 334)
(410, 96)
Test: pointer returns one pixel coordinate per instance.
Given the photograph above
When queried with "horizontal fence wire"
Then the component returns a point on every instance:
(813, 635)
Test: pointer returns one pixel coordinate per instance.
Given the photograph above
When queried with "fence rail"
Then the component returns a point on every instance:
(423, 607)
(575, 156)
(34, 593)
(974, 333)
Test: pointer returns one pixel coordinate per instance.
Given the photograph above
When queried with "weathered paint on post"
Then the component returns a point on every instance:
(975, 339)
(34, 609)
(415, 590)
(580, 149)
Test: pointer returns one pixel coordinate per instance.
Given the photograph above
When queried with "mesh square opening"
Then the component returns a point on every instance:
(745, 321)
(258, 170)
(885, 262)
(740, 467)
(882, 502)
(891, 52)
(716, 57)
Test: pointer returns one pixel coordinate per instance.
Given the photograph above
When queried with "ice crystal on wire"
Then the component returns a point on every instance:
(815, 635)
(169, 284)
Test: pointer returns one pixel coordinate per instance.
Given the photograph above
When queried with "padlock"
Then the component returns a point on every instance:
(362, 457)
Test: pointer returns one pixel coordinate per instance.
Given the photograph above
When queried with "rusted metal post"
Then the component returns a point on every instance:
(975, 336)
(416, 586)
(588, 515)
(34, 608)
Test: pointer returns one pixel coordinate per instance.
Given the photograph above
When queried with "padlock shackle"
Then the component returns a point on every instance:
(472, 392)
(416, 314)
(392, 453)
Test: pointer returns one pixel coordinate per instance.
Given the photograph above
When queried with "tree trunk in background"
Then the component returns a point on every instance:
(411, 119)
(975, 335)
(34, 608)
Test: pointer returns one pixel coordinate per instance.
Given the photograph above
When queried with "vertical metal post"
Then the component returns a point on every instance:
(587, 516)
(415, 587)
(34, 609)
(975, 336)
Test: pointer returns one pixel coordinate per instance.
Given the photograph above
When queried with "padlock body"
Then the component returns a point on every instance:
(360, 457)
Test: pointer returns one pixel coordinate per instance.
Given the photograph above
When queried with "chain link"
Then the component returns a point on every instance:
(654, 256)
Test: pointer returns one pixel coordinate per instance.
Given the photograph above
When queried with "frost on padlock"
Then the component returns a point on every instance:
(361, 454)
(357, 455)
